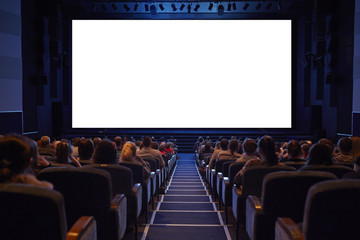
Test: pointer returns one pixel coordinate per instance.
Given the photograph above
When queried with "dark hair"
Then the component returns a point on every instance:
(320, 153)
(155, 145)
(207, 148)
(15, 157)
(305, 147)
(267, 145)
(345, 145)
(294, 148)
(162, 147)
(62, 152)
(233, 145)
(118, 141)
(327, 142)
(146, 141)
(86, 149)
(249, 146)
(105, 152)
(76, 142)
(224, 144)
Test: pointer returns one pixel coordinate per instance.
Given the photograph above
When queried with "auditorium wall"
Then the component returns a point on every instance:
(10, 67)
(356, 72)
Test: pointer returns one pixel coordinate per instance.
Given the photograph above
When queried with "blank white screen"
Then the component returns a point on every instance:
(181, 74)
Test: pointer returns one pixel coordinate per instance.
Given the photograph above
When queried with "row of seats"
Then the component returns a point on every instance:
(264, 196)
(97, 201)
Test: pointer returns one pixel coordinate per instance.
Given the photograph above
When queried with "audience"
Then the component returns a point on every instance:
(148, 152)
(86, 150)
(231, 153)
(294, 152)
(355, 151)
(105, 152)
(320, 154)
(15, 159)
(223, 147)
(45, 148)
(266, 148)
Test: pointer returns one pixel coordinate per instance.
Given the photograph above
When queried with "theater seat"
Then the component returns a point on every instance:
(154, 186)
(252, 180)
(228, 182)
(138, 177)
(338, 170)
(332, 211)
(295, 164)
(283, 195)
(88, 191)
(30, 212)
(122, 183)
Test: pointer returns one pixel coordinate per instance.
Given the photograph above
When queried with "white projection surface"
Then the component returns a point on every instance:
(181, 74)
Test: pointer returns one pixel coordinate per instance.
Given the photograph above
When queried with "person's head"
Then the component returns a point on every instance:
(137, 143)
(147, 141)
(217, 146)
(105, 152)
(96, 141)
(155, 145)
(320, 154)
(207, 148)
(294, 149)
(224, 144)
(233, 145)
(305, 149)
(355, 150)
(15, 157)
(345, 145)
(328, 142)
(249, 146)
(45, 141)
(266, 146)
(86, 149)
(128, 152)
(76, 142)
(62, 152)
(162, 147)
(118, 142)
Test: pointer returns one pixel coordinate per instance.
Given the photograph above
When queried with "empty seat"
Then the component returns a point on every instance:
(338, 170)
(283, 195)
(88, 191)
(30, 212)
(332, 211)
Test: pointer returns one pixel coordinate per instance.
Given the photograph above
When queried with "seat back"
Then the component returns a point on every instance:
(234, 168)
(152, 162)
(121, 177)
(87, 191)
(338, 170)
(295, 164)
(284, 193)
(332, 210)
(219, 164)
(351, 175)
(137, 170)
(253, 177)
(31, 212)
(226, 167)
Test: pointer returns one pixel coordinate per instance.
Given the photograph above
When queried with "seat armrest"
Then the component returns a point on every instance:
(287, 229)
(220, 175)
(152, 175)
(84, 228)
(136, 187)
(226, 181)
(237, 190)
(117, 200)
(253, 211)
(157, 171)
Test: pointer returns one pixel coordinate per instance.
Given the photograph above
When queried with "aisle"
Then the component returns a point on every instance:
(186, 210)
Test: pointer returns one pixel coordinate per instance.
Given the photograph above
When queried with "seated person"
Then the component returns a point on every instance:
(320, 154)
(64, 154)
(105, 152)
(207, 152)
(249, 149)
(266, 149)
(223, 147)
(294, 152)
(148, 152)
(15, 159)
(86, 150)
(45, 148)
(231, 153)
(344, 146)
(128, 154)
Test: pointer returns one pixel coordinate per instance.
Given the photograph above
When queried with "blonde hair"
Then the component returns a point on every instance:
(355, 150)
(128, 152)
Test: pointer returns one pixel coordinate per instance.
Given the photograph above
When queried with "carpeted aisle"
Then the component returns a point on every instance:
(186, 210)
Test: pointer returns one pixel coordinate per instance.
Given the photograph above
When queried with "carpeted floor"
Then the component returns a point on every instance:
(186, 211)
